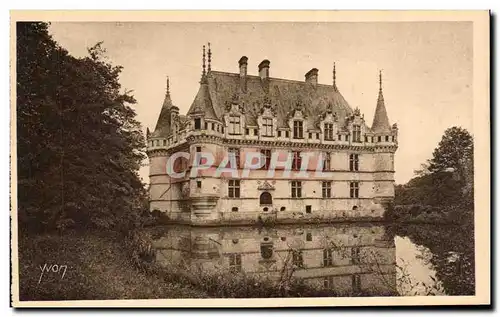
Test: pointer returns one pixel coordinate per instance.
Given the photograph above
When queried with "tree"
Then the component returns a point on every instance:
(454, 149)
(79, 144)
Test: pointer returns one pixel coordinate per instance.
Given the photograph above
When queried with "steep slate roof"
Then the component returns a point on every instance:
(163, 124)
(380, 119)
(284, 95)
(203, 102)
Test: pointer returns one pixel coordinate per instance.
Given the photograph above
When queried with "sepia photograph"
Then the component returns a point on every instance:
(256, 159)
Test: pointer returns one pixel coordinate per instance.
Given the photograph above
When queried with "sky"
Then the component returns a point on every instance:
(427, 67)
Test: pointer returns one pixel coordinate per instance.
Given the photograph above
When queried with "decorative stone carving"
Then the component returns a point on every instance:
(266, 186)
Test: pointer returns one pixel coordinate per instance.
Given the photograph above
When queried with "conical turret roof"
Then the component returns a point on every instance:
(380, 119)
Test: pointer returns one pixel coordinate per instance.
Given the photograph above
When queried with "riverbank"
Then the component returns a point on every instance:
(97, 268)
(105, 266)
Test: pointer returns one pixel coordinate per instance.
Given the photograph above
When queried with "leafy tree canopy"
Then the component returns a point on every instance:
(79, 144)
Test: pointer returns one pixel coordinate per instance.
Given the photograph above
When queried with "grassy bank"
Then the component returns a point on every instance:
(98, 267)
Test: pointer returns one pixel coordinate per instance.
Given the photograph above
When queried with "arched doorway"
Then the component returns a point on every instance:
(266, 198)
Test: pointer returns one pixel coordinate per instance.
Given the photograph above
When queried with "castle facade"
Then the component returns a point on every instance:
(317, 159)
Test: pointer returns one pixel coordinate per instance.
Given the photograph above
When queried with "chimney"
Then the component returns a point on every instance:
(264, 69)
(243, 62)
(312, 76)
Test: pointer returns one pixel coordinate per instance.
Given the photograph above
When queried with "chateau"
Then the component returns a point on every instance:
(320, 161)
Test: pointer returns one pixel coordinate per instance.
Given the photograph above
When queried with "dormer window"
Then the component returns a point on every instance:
(267, 126)
(197, 123)
(298, 129)
(234, 125)
(356, 133)
(328, 129)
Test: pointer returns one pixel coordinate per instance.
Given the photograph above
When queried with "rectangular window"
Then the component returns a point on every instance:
(308, 209)
(267, 125)
(326, 189)
(355, 255)
(309, 236)
(287, 134)
(234, 263)
(356, 283)
(197, 124)
(310, 135)
(298, 259)
(206, 125)
(236, 153)
(327, 257)
(234, 188)
(354, 190)
(296, 189)
(279, 134)
(379, 138)
(298, 129)
(247, 131)
(354, 162)
(328, 282)
(356, 133)
(254, 131)
(386, 138)
(266, 156)
(198, 149)
(234, 125)
(326, 161)
(198, 184)
(296, 161)
(366, 138)
(328, 130)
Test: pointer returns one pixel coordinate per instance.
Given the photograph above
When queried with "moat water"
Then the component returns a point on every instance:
(368, 259)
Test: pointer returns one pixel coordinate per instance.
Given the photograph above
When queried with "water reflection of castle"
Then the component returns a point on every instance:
(347, 258)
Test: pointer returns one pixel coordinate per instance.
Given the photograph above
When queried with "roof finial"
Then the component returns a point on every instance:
(168, 86)
(209, 58)
(204, 66)
(334, 77)
(380, 80)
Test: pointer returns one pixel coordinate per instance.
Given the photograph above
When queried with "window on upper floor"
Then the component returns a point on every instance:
(296, 189)
(267, 127)
(197, 123)
(234, 188)
(236, 153)
(327, 257)
(266, 156)
(326, 161)
(287, 134)
(354, 162)
(234, 125)
(296, 161)
(279, 134)
(328, 130)
(356, 133)
(326, 189)
(386, 138)
(379, 138)
(354, 190)
(298, 129)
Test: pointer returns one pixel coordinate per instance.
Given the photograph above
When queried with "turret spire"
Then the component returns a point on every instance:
(168, 87)
(380, 119)
(380, 80)
(209, 58)
(203, 73)
(334, 77)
